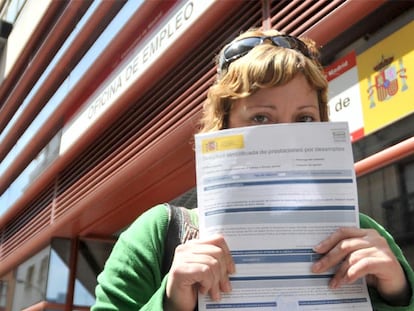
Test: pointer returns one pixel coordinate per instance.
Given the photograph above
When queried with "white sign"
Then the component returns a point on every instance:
(140, 60)
(344, 95)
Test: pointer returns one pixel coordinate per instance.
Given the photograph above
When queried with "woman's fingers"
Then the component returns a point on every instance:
(208, 271)
(216, 255)
(358, 264)
(355, 253)
(343, 242)
(200, 265)
(218, 240)
(338, 236)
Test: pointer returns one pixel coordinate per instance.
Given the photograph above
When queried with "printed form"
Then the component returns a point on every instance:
(274, 192)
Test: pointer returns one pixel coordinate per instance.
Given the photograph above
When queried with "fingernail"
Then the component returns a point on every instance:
(228, 286)
(316, 248)
(333, 284)
(216, 297)
(316, 267)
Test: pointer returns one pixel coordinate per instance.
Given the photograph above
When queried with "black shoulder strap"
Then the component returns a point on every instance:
(180, 229)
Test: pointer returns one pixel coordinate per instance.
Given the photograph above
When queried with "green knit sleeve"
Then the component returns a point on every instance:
(377, 302)
(131, 279)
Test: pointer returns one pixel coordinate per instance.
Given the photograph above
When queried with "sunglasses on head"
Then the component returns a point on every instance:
(241, 47)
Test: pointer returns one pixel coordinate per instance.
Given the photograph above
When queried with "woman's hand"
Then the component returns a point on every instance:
(363, 253)
(199, 265)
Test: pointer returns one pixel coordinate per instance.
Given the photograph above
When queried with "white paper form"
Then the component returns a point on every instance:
(274, 192)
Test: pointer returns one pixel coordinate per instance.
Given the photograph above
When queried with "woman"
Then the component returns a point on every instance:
(263, 77)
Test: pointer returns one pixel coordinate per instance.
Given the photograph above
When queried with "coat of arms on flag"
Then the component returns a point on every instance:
(386, 80)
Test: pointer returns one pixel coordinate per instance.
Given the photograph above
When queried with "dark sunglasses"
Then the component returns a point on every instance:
(241, 47)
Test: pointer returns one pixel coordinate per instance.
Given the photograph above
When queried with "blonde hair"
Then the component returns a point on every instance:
(266, 65)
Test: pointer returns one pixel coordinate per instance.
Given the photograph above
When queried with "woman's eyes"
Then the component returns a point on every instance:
(260, 119)
(306, 118)
(263, 119)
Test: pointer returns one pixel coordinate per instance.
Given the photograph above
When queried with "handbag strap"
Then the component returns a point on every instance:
(181, 228)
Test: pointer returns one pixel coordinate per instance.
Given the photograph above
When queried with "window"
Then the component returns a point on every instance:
(43, 270)
(91, 256)
(3, 294)
(29, 277)
(12, 10)
(27, 290)
(399, 210)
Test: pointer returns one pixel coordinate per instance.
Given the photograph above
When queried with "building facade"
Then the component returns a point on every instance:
(99, 101)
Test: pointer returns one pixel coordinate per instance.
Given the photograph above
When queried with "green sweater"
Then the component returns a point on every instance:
(132, 278)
